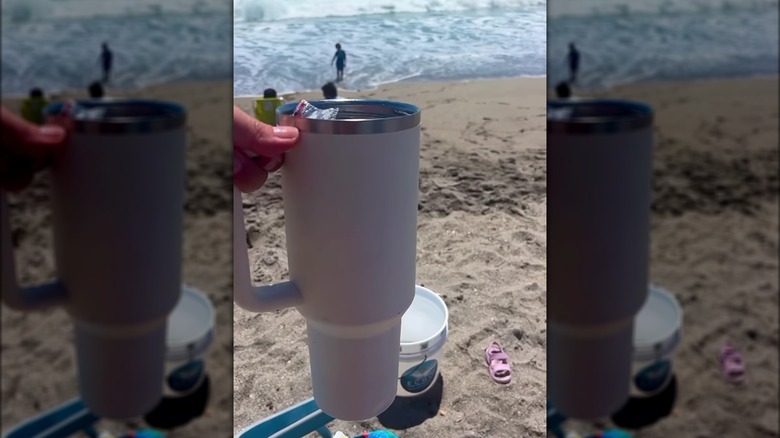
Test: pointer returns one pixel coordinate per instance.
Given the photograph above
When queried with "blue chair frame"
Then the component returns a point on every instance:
(61, 421)
(293, 422)
(73, 416)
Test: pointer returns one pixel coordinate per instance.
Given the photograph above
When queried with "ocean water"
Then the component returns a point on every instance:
(55, 44)
(288, 45)
(624, 41)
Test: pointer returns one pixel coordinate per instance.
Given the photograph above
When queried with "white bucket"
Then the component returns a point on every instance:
(657, 332)
(190, 333)
(423, 334)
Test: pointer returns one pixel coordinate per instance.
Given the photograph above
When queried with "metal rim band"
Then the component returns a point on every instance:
(592, 116)
(123, 116)
(355, 116)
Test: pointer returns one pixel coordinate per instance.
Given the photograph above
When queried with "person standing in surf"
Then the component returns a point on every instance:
(573, 59)
(106, 61)
(341, 61)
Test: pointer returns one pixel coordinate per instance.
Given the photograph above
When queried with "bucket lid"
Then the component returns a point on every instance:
(657, 325)
(424, 324)
(190, 325)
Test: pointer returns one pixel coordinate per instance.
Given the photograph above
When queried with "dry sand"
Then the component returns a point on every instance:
(715, 247)
(38, 364)
(481, 245)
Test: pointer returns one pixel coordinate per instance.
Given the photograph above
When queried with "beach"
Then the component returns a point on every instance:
(714, 245)
(38, 360)
(481, 244)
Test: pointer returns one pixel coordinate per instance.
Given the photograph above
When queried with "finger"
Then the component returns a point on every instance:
(270, 164)
(269, 141)
(23, 137)
(248, 175)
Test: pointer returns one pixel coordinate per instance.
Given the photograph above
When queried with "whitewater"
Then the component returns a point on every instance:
(54, 44)
(289, 45)
(623, 41)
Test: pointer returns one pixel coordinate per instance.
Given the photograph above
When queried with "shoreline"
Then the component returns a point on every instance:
(666, 82)
(120, 90)
(406, 81)
(473, 89)
(550, 87)
(177, 92)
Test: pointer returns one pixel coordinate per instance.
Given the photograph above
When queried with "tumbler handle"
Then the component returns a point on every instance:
(13, 295)
(267, 298)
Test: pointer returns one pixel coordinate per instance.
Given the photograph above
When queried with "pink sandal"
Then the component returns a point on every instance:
(731, 364)
(498, 362)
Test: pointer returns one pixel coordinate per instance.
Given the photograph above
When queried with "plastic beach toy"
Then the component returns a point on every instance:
(373, 434)
(144, 433)
(731, 364)
(611, 433)
(377, 434)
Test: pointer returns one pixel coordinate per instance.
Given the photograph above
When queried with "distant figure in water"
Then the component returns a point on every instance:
(573, 59)
(95, 90)
(34, 106)
(562, 90)
(106, 61)
(329, 91)
(269, 93)
(341, 61)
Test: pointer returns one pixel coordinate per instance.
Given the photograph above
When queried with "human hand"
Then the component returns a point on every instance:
(26, 148)
(258, 149)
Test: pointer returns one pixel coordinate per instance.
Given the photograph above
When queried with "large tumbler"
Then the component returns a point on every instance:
(350, 209)
(599, 182)
(117, 192)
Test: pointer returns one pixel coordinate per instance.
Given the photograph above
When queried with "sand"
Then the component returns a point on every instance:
(714, 245)
(481, 245)
(38, 363)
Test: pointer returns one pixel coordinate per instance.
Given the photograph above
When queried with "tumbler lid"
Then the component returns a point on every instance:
(355, 116)
(118, 116)
(592, 116)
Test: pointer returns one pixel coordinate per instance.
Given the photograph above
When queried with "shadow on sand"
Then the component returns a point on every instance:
(406, 412)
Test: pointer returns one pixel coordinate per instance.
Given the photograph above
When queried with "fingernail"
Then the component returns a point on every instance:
(51, 133)
(285, 132)
(237, 165)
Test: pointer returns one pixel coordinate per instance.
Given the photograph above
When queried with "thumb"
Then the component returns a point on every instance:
(264, 140)
(26, 138)
(43, 136)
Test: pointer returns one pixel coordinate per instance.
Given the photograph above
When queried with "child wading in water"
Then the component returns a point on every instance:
(341, 61)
